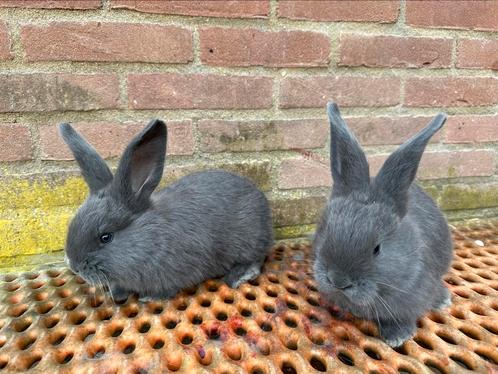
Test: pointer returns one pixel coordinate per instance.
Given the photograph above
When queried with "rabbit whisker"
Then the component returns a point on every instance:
(386, 305)
(99, 284)
(391, 286)
(108, 286)
(93, 283)
(376, 314)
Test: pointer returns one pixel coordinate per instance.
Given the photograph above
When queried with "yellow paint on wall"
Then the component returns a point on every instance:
(41, 192)
(34, 213)
(34, 231)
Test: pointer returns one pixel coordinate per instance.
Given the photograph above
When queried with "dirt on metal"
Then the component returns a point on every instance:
(52, 321)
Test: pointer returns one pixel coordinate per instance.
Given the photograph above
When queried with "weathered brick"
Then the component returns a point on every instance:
(198, 91)
(97, 41)
(477, 54)
(5, 53)
(370, 131)
(207, 8)
(394, 51)
(387, 130)
(451, 91)
(15, 142)
(250, 47)
(357, 11)
(315, 171)
(240, 136)
(291, 212)
(435, 165)
(473, 15)
(470, 129)
(110, 139)
(314, 92)
(257, 171)
(51, 92)
(468, 196)
(52, 4)
(303, 173)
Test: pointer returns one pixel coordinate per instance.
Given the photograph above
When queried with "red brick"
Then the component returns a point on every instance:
(438, 165)
(52, 4)
(5, 53)
(96, 41)
(477, 54)
(198, 91)
(357, 11)
(239, 136)
(303, 173)
(471, 129)
(250, 47)
(208, 8)
(394, 51)
(457, 164)
(387, 130)
(15, 142)
(51, 92)
(110, 139)
(451, 91)
(314, 92)
(473, 15)
(315, 172)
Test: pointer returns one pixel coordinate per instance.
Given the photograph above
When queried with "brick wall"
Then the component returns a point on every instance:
(243, 85)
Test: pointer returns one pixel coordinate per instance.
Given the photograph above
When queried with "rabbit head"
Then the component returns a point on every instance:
(357, 247)
(104, 236)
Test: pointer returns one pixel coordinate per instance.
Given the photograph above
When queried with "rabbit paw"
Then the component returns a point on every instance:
(395, 335)
(119, 294)
(242, 273)
(444, 299)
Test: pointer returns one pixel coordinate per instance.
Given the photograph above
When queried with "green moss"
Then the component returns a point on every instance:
(294, 231)
(452, 172)
(258, 172)
(458, 197)
(432, 191)
(306, 210)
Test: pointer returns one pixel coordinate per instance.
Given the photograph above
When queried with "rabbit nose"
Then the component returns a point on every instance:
(340, 281)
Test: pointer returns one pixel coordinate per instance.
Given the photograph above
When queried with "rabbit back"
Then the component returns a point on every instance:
(207, 224)
(424, 216)
(213, 220)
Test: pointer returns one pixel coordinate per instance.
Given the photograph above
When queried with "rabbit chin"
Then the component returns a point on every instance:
(361, 296)
(357, 300)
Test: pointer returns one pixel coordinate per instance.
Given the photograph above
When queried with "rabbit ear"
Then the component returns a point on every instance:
(93, 168)
(141, 166)
(348, 162)
(399, 170)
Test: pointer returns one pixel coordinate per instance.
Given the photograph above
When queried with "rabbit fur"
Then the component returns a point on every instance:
(134, 240)
(382, 245)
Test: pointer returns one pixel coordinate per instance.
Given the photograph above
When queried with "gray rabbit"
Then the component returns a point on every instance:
(207, 224)
(382, 245)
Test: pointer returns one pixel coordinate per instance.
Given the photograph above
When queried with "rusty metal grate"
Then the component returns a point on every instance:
(52, 320)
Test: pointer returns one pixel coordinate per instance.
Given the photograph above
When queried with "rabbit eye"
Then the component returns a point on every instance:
(376, 250)
(106, 238)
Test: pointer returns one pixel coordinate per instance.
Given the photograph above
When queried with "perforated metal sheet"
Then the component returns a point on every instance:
(52, 321)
